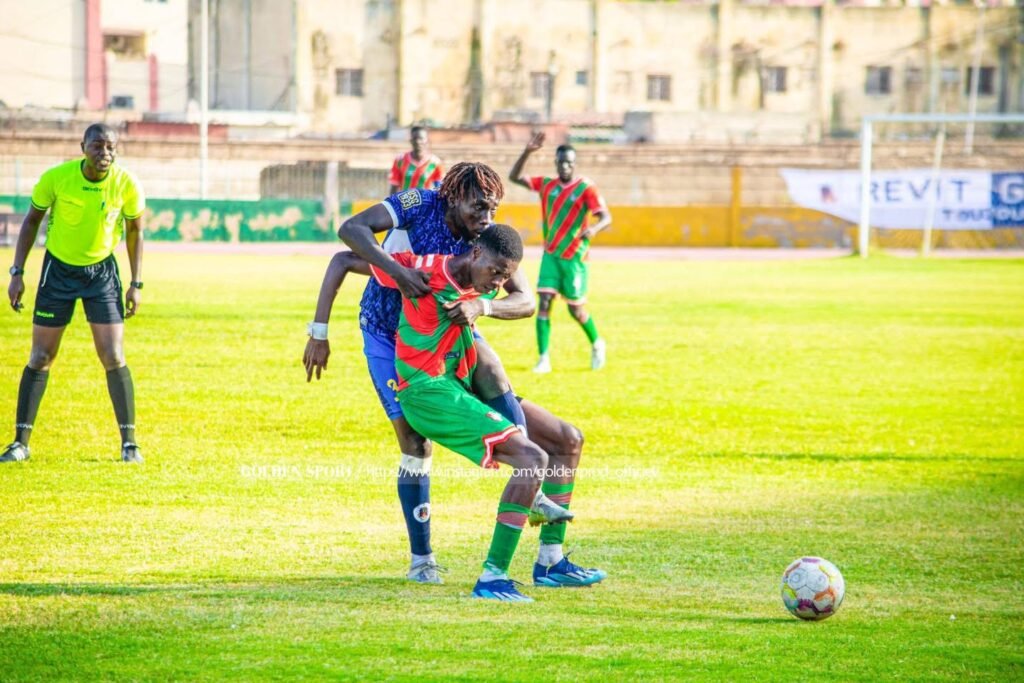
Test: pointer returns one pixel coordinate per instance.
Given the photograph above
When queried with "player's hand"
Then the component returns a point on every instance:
(413, 283)
(315, 357)
(587, 234)
(535, 143)
(15, 291)
(132, 300)
(464, 312)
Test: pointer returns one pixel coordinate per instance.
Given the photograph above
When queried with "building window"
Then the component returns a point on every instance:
(125, 45)
(879, 80)
(659, 88)
(581, 78)
(540, 84)
(913, 77)
(987, 82)
(949, 78)
(349, 82)
(774, 79)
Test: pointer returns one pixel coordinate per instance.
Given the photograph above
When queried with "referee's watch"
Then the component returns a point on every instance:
(15, 271)
(137, 284)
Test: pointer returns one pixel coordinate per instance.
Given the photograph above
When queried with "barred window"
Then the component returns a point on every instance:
(349, 82)
(879, 80)
(659, 88)
(774, 79)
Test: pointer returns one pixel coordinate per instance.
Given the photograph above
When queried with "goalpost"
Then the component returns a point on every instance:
(866, 141)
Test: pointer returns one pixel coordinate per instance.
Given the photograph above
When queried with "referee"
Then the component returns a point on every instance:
(92, 202)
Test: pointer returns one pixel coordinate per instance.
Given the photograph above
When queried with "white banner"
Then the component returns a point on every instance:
(963, 200)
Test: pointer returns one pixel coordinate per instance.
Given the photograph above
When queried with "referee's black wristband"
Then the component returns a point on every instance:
(136, 284)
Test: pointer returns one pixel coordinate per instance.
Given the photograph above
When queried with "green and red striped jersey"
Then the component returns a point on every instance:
(427, 344)
(565, 208)
(407, 174)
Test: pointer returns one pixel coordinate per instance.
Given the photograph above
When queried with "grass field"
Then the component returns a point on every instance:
(868, 412)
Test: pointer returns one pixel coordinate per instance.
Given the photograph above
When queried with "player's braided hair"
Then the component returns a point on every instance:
(468, 178)
(502, 240)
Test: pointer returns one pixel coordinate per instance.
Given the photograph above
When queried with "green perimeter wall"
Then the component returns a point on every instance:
(224, 220)
(302, 220)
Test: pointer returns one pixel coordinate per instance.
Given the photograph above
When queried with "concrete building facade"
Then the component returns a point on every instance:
(93, 54)
(812, 67)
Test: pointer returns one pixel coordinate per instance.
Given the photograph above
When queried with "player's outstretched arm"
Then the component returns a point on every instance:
(516, 174)
(26, 238)
(358, 234)
(318, 348)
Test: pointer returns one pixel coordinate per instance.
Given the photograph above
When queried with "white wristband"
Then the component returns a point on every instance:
(317, 331)
(487, 306)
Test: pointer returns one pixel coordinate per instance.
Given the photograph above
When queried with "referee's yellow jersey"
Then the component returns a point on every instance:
(86, 217)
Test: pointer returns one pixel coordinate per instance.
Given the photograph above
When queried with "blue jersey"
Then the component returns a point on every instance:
(418, 217)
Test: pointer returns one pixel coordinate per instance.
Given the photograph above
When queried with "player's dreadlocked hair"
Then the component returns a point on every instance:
(467, 178)
(502, 240)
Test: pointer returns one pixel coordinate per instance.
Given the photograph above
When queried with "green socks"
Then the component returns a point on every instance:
(561, 494)
(507, 530)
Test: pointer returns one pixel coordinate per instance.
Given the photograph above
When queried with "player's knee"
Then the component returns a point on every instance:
(41, 359)
(412, 442)
(489, 378)
(535, 459)
(112, 359)
(572, 441)
(579, 313)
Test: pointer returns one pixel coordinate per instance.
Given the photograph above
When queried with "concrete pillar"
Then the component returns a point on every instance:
(401, 115)
(933, 67)
(154, 83)
(724, 40)
(826, 64)
(95, 64)
(486, 15)
(597, 90)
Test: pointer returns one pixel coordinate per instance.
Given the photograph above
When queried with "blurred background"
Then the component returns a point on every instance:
(684, 112)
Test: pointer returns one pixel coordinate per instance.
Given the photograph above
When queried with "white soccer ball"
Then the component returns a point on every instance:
(812, 588)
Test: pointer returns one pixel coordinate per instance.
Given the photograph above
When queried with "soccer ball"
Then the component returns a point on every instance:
(812, 588)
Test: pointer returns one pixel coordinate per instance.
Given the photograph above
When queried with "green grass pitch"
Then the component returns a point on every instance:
(868, 412)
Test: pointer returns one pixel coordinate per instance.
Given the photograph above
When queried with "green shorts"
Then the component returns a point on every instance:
(444, 411)
(567, 277)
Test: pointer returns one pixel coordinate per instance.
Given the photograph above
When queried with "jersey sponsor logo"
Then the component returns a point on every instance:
(421, 513)
(452, 355)
(409, 199)
(45, 314)
(90, 189)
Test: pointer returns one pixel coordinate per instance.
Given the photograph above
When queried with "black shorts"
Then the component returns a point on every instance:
(61, 284)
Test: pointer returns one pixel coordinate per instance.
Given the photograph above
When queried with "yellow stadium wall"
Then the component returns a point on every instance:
(747, 226)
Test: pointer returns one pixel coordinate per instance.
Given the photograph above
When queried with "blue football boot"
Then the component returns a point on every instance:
(565, 574)
(500, 589)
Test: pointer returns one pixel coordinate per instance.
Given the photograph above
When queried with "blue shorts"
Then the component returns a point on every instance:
(380, 361)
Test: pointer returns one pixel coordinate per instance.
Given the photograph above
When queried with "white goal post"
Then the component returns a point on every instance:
(866, 140)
